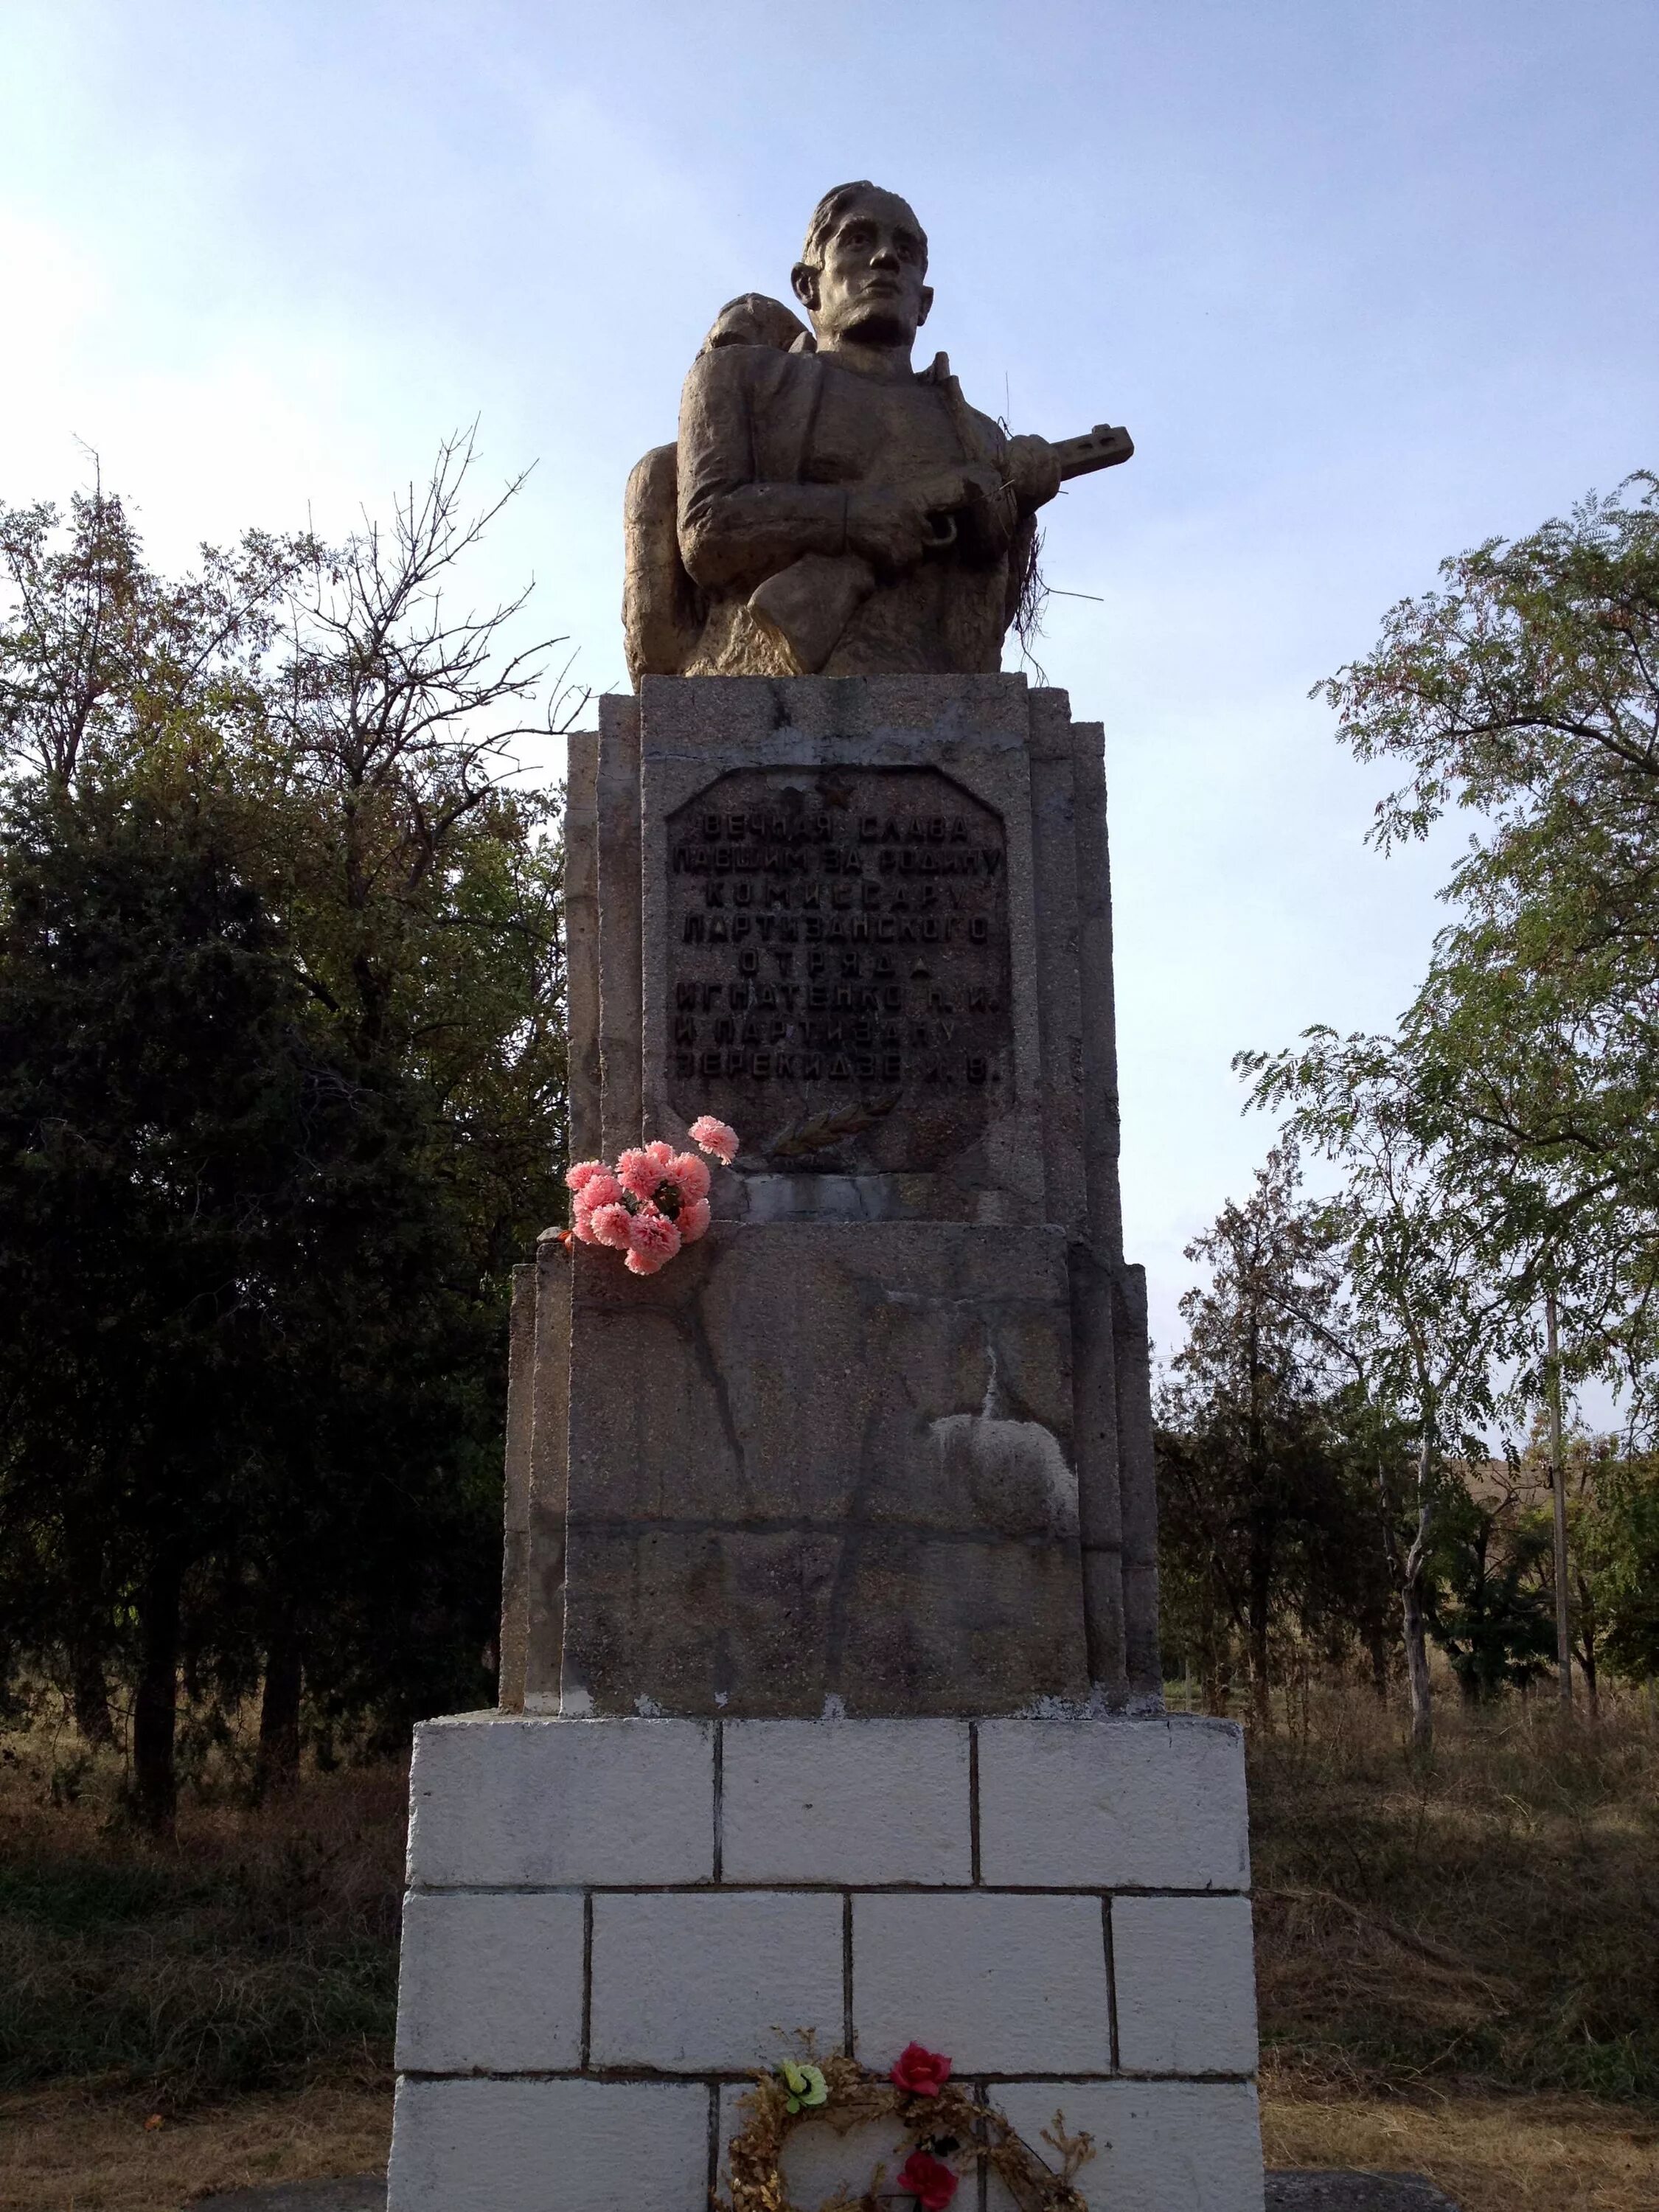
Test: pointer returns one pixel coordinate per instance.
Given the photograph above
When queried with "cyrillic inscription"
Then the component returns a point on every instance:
(838, 967)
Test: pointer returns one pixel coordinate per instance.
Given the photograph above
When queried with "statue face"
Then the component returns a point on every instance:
(870, 289)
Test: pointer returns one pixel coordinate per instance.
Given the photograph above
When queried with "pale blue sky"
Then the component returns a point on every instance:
(1369, 280)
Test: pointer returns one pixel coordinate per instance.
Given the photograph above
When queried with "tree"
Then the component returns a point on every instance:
(1526, 692)
(1440, 1281)
(281, 1099)
(1258, 1509)
(1486, 1606)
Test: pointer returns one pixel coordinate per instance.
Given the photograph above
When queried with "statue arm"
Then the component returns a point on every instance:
(735, 532)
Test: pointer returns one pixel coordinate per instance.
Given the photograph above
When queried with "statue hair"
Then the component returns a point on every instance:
(835, 204)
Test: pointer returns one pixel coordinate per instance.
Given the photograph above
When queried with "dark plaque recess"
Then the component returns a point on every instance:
(838, 966)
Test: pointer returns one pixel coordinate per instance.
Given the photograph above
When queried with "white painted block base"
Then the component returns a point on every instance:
(612, 1924)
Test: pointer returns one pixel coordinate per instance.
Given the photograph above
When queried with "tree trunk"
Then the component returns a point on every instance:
(154, 1711)
(1588, 1637)
(279, 1708)
(1417, 1660)
(89, 1695)
(1376, 1644)
(1260, 1589)
(1558, 1497)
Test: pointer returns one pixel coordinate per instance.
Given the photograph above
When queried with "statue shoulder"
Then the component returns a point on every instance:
(743, 375)
(984, 432)
(981, 434)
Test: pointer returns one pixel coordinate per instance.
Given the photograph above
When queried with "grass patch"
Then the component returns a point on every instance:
(255, 1953)
(1486, 1919)
(62, 2150)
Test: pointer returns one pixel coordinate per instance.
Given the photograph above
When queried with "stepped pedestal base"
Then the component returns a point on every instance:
(612, 1924)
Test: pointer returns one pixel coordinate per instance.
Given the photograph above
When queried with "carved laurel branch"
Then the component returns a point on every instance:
(857, 2096)
(822, 1130)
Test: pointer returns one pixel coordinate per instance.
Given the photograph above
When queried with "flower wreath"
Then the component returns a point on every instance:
(946, 2126)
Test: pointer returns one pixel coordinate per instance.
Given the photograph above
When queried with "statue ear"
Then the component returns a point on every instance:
(927, 305)
(804, 282)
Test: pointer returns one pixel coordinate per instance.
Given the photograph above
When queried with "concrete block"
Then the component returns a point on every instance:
(549, 2147)
(1112, 1804)
(491, 1983)
(714, 1982)
(1005, 1985)
(1160, 2146)
(1185, 1972)
(497, 1802)
(846, 1801)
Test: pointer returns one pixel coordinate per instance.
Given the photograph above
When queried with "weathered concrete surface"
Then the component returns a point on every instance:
(872, 1880)
(814, 1461)
(1019, 1135)
(1354, 2192)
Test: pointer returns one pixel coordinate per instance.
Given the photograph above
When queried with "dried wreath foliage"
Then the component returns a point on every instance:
(857, 2096)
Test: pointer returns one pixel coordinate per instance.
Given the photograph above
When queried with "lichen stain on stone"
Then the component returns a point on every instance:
(1015, 1471)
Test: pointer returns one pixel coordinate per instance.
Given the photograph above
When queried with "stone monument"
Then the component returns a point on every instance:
(830, 1706)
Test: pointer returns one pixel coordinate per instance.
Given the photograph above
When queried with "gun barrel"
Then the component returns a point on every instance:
(1103, 447)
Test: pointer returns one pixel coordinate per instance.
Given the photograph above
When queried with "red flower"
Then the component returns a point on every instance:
(921, 2072)
(927, 2178)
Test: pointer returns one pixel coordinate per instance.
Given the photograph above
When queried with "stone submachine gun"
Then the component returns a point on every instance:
(808, 605)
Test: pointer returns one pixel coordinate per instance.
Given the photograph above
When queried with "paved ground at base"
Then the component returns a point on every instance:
(1286, 2192)
(1354, 2192)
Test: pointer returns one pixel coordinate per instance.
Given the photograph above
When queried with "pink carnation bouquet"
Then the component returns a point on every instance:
(653, 1200)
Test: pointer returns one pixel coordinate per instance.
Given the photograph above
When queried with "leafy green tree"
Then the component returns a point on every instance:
(1525, 692)
(280, 1099)
(1440, 1295)
(1259, 1515)
(1612, 1515)
(1488, 1602)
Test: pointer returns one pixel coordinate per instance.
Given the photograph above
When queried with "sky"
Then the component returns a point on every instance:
(1369, 281)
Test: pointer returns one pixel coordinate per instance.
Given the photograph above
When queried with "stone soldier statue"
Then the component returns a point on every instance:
(835, 511)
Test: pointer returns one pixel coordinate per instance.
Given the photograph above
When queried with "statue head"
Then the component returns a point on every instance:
(861, 270)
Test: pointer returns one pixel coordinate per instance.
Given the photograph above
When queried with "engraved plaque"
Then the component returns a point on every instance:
(838, 966)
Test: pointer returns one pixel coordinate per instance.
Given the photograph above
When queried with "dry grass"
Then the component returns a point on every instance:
(1486, 1921)
(1489, 2154)
(257, 1952)
(64, 2152)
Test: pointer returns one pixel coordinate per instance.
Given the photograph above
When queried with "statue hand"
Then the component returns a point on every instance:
(1033, 469)
(893, 525)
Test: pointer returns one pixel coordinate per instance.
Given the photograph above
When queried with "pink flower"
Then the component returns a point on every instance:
(686, 1169)
(599, 1189)
(639, 1174)
(694, 1220)
(583, 1173)
(661, 1153)
(715, 1138)
(608, 1224)
(652, 1241)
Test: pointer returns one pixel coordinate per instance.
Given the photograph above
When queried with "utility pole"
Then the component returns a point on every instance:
(1558, 1486)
